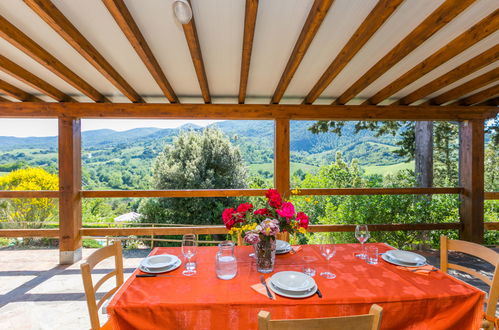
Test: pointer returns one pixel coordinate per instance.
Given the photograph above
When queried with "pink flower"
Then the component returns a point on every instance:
(302, 219)
(262, 212)
(274, 198)
(252, 238)
(287, 210)
(270, 227)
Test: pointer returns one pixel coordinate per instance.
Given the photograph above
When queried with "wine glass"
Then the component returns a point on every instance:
(328, 249)
(362, 235)
(189, 249)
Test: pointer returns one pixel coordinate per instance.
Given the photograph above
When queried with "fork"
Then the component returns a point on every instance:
(262, 280)
(428, 270)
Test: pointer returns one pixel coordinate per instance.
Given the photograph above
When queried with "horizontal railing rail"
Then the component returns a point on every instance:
(491, 195)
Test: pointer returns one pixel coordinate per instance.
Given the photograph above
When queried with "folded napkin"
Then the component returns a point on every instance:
(261, 289)
(423, 270)
(295, 249)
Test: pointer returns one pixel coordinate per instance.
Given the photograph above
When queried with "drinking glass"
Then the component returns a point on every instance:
(328, 249)
(189, 249)
(362, 235)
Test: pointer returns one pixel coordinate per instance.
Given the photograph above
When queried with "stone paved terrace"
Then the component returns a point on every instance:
(37, 293)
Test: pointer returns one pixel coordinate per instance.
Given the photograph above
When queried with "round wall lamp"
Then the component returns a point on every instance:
(182, 10)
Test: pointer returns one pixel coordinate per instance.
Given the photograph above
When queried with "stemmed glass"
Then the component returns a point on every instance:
(189, 249)
(362, 235)
(328, 249)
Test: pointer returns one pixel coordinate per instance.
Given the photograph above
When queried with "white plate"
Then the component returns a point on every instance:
(283, 251)
(406, 257)
(292, 281)
(281, 245)
(399, 263)
(295, 295)
(161, 270)
(159, 261)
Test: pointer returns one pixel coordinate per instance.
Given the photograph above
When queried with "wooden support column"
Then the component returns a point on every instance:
(70, 241)
(471, 174)
(281, 157)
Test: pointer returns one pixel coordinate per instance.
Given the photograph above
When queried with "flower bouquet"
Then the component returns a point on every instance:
(259, 227)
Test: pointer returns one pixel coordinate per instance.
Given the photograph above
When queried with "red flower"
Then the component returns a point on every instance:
(274, 198)
(302, 219)
(287, 210)
(243, 208)
(228, 218)
(263, 212)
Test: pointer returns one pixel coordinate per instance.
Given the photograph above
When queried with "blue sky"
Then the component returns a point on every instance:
(48, 127)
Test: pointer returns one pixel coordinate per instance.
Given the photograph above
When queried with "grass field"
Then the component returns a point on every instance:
(388, 169)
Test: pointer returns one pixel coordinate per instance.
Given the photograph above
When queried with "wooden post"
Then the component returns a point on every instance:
(471, 174)
(70, 222)
(281, 157)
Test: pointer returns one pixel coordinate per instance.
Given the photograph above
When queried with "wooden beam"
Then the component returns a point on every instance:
(122, 16)
(2, 99)
(46, 10)
(249, 32)
(243, 111)
(281, 157)
(366, 30)
(492, 195)
(29, 233)
(477, 32)
(479, 97)
(438, 19)
(17, 93)
(314, 20)
(466, 88)
(376, 191)
(191, 36)
(17, 38)
(29, 194)
(70, 221)
(492, 102)
(476, 63)
(171, 193)
(471, 174)
(30, 79)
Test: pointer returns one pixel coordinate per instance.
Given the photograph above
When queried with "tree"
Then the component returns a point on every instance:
(196, 160)
(29, 212)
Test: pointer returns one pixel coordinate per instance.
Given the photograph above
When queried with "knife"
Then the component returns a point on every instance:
(318, 292)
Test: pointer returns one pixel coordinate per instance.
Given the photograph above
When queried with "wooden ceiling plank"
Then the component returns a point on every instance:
(2, 99)
(30, 79)
(491, 102)
(249, 32)
(476, 63)
(124, 19)
(316, 16)
(17, 93)
(376, 18)
(466, 88)
(433, 23)
(47, 11)
(191, 36)
(243, 111)
(20, 40)
(481, 96)
(477, 32)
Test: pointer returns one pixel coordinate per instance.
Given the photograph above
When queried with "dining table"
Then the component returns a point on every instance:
(410, 300)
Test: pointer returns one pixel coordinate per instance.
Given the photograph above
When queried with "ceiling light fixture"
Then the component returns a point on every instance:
(182, 10)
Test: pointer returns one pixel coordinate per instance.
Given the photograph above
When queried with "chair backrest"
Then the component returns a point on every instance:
(369, 321)
(90, 289)
(481, 252)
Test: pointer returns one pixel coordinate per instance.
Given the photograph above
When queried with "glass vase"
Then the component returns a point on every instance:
(265, 255)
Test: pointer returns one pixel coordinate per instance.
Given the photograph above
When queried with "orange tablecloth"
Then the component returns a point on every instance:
(409, 300)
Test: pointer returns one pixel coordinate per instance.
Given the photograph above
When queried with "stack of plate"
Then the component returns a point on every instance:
(160, 263)
(282, 247)
(293, 284)
(404, 258)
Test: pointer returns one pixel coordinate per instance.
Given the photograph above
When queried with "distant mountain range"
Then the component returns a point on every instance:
(250, 135)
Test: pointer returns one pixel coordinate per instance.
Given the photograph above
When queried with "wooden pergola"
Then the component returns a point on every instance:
(342, 60)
